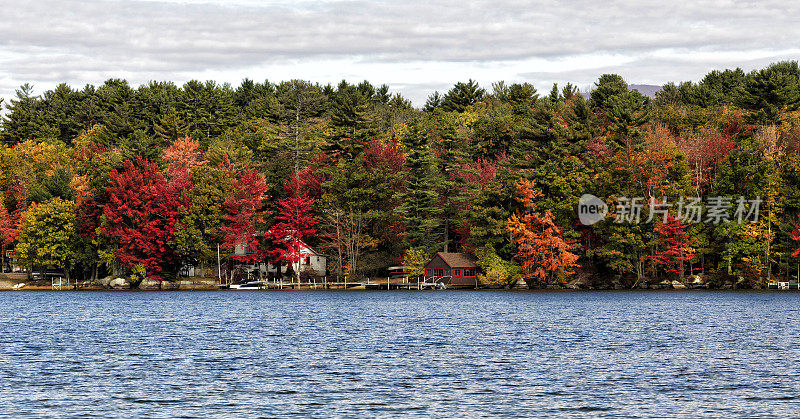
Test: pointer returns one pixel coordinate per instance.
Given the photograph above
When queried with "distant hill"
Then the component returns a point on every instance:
(648, 90)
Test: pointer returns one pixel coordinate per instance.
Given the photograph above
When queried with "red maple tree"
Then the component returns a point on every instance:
(385, 173)
(243, 212)
(477, 174)
(13, 206)
(541, 249)
(295, 222)
(678, 251)
(89, 198)
(9, 231)
(472, 178)
(796, 237)
(140, 216)
(9, 224)
(384, 154)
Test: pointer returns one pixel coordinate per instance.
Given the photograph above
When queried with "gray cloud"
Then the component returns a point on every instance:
(650, 70)
(50, 41)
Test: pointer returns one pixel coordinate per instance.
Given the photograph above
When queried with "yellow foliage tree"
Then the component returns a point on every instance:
(414, 261)
(47, 236)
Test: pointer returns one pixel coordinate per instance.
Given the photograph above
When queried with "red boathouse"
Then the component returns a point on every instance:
(456, 269)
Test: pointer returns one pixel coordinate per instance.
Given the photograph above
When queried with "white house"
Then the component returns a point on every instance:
(311, 261)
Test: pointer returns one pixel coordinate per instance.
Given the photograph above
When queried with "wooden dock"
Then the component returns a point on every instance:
(783, 285)
(361, 285)
(369, 284)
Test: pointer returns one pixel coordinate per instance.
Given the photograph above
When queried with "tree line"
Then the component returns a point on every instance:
(145, 180)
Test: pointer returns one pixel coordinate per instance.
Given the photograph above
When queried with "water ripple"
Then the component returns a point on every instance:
(349, 354)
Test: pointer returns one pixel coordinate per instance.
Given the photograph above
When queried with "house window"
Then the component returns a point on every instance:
(456, 272)
(438, 272)
(308, 261)
(469, 272)
(429, 272)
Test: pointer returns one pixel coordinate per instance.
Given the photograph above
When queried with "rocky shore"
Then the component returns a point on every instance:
(699, 282)
(690, 282)
(17, 281)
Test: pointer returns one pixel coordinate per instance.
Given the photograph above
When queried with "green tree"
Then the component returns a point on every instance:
(48, 237)
(495, 271)
(22, 120)
(298, 103)
(350, 121)
(771, 91)
(197, 230)
(606, 87)
(56, 185)
(170, 127)
(519, 95)
(433, 102)
(463, 95)
(419, 208)
(627, 112)
(207, 108)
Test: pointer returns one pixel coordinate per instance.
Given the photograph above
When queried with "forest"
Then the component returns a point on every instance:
(143, 180)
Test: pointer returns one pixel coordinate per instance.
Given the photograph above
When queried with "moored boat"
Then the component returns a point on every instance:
(247, 285)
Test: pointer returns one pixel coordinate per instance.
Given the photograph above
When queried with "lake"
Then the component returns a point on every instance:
(410, 353)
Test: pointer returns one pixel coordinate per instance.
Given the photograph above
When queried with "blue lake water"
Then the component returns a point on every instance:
(355, 354)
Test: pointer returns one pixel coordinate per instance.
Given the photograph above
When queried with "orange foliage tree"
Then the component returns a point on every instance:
(653, 168)
(183, 155)
(541, 249)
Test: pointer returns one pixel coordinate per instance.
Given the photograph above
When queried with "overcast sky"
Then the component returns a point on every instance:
(416, 46)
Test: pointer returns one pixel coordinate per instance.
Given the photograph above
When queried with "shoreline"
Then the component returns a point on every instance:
(19, 283)
(361, 289)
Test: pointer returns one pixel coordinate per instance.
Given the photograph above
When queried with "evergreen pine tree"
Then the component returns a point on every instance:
(420, 209)
(22, 121)
(463, 95)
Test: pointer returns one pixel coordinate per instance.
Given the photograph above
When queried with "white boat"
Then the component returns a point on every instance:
(247, 285)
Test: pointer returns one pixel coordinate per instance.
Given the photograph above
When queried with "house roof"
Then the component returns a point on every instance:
(305, 249)
(458, 260)
(310, 249)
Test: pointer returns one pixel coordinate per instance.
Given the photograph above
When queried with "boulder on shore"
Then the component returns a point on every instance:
(678, 285)
(518, 284)
(167, 285)
(580, 282)
(119, 283)
(149, 284)
(104, 282)
(661, 285)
